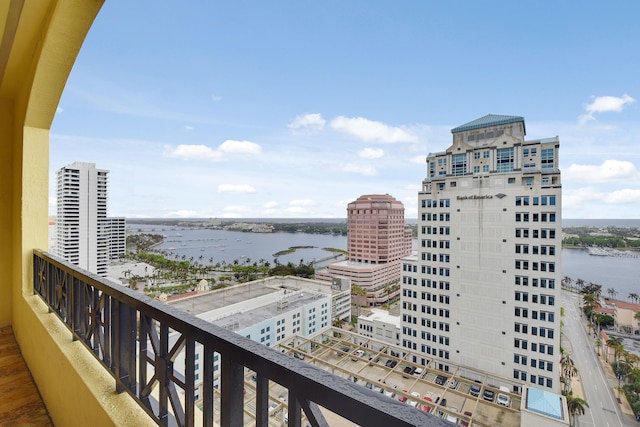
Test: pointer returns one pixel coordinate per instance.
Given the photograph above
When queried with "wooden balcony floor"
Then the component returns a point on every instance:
(20, 402)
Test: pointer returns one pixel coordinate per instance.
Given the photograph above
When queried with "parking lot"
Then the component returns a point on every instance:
(392, 372)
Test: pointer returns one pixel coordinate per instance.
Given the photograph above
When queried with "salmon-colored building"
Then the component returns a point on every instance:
(377, 238)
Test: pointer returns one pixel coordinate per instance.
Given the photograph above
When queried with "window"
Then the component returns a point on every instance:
(458, 164)
(504, 160)
(547, 159)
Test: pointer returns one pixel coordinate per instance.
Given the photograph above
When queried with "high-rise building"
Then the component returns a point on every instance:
(484, 288)
(377, 237)
(84, 232)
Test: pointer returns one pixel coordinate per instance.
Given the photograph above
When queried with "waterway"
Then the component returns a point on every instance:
(213, 246)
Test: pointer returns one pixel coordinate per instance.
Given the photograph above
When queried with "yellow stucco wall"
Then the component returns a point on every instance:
(74, 386)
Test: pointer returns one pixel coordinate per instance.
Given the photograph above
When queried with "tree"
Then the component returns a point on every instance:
(616, 344)
(598, 345)
(576, 406)
(612, 292)
(358, 292)
(567, 371)
(633, 297)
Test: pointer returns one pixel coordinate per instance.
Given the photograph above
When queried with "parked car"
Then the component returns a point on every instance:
(488, 395)
(299, 356)
(474, 390)
(390, 363)
(356, 354)
(464, 422)
(453, 383)
(503, 400)
(441, 379)
(418, 372)
(414, 402)
(409, 370)
(451, 417)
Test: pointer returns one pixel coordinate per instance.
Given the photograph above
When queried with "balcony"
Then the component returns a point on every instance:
(138, 340)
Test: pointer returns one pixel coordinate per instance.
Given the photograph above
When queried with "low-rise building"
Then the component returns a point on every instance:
(380, 325)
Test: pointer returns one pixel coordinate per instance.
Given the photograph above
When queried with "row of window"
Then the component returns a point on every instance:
(427, 256)
(443, 244)
(543, 233)
(535, 298)
(546, 316)
(535, 282)
(536, 250)
(521, 359)
(535, 266)
(523, 328)
(535, 200)
(434, 230)
(436, 217)
(540, 380)
(538, 347)
(434, 203)
(435, 271)
(536, 217)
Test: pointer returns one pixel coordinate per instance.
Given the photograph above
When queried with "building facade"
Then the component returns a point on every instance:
(83, 231)
(484, 288)
(377, 237)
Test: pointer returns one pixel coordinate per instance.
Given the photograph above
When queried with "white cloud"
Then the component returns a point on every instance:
(359, 169)
(241, 147)
(603, 104)
(609, 170)
(371, 153)
(369, 130)
(624, 196)
(235, 208)
(422, 159)
(182, 214)
(188, 128)
(216, 98)
(308, 121)
(59, 110)
(271, 205)
(189, 152)
(305, 202)
(235, 188)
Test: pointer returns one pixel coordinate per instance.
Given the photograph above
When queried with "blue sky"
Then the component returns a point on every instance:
(293, 109)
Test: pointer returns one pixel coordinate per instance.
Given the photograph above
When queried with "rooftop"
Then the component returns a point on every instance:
(488, 120)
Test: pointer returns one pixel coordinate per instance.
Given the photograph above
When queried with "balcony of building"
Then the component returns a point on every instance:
(99, 354)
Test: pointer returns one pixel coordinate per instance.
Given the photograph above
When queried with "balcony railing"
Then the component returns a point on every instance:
(134, 337)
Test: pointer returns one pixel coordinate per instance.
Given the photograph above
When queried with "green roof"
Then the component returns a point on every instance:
(488, 120)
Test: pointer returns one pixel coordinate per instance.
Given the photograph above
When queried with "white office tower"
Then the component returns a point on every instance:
(83, 229)
(486, 291)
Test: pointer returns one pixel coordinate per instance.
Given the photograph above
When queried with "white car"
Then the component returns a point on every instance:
(503, 400)
(451, 417)
(414, 402)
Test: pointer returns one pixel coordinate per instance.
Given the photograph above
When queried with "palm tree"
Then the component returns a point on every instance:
(579, 284)
(576, 406)
(567, 282)
(633, 297)
(612, 292)
(568, 371)
(598, 345)
(616, 344)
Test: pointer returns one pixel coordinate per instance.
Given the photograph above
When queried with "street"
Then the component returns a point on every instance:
(603, 410)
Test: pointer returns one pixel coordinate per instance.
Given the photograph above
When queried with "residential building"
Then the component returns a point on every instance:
(86, 237)
(377, 237)
(483, 290)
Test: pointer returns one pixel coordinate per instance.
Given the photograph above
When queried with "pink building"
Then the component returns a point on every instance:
(377, 238)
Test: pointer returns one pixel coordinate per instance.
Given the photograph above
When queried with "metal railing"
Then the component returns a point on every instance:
(138, 340)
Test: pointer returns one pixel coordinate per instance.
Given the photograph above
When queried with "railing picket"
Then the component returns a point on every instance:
(262, 399)
(232, 388)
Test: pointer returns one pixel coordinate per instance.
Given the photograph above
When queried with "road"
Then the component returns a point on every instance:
(603, 410)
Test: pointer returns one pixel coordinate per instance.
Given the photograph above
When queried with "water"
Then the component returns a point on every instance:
(619, 273)
(213, 246)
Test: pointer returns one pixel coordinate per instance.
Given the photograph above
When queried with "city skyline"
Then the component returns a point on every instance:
(287, 110)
